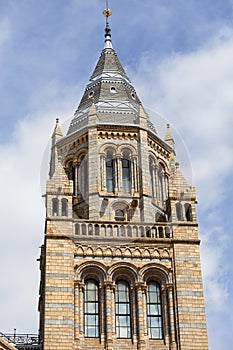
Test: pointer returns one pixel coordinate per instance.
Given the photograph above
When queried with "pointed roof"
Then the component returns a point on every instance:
(168, 137)
(57, 133)
(114, 96)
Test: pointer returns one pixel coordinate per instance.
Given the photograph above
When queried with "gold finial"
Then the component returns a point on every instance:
(107, 12)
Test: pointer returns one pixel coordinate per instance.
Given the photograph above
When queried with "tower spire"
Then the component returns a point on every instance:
(108, 42)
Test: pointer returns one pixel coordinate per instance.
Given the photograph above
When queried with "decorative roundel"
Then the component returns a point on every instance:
(91, 93)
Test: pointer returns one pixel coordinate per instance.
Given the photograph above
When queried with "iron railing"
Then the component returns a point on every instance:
(23, 341)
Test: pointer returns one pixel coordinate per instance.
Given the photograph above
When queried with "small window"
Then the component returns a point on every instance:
(123, 314)
(133, 95)
(179, 212)
(91, 94)
(64, 207)
(55, 202)
(119, 215)
(113, 90)
(91, 309)
(154, 311)
(188, 211)
(126, 175)
(110, 174)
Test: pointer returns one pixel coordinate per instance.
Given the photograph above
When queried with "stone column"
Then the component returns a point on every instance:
(102, 313)
(154, 189)
(133, 177)
(75, 178)
(76, 311)
(165, 315)
(144, 290)
(102, 173)
(108, 315)
(157, 183)
(136, 172)
(173, 345)
(140, 313)
(78, 178)
(81, 311)
(134, 314)
(118, 173)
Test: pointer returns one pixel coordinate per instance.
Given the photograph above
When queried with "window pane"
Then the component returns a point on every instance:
(91, 309)
(123, 309)
(154, 311)
(122, 300)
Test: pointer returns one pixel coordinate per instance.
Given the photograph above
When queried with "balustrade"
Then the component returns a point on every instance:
(123, 230)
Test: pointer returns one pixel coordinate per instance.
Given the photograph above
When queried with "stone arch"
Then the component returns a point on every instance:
(89, 270)
(123, 271)
(155, 272)
(108, 146)
(120, 205)
(128, 149)
(163, 164)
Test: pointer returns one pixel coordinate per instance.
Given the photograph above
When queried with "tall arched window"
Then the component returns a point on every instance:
(91, 309)
(122, 302)
(64, 207)
(188, 211)
(179, 211)
(55, 203)
(110, 173)
(83, 176)
(161, 182)
(70, 171)
(154, 311)
(126, 177)
(152, 178)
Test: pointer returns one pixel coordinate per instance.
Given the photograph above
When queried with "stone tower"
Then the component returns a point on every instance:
(120, 264)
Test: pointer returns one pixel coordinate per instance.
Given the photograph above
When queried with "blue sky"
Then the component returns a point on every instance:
(179, 57)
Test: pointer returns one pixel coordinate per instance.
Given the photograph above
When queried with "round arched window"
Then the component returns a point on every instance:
(119, 215)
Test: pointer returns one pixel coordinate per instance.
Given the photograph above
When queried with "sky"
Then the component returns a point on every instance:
(178, 55)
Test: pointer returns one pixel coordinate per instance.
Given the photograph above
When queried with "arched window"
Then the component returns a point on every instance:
(64, 207)
(126, 180)
(83, 176)
(161, 182)
(179, 211)
(55, 203)
(159, 217)
(110, 173)
(70, 171)
(91, 309)
(188, 211)
(119, 215)
(122, 302)
(154, 311)
(152, 178)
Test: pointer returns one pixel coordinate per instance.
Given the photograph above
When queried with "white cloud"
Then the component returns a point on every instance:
(195, 91)
(22, 208)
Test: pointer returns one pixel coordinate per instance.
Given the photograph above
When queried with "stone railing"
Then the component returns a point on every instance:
(122, 230)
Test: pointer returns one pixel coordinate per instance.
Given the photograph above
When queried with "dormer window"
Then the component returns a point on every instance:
(113, 90)
(91, 94)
